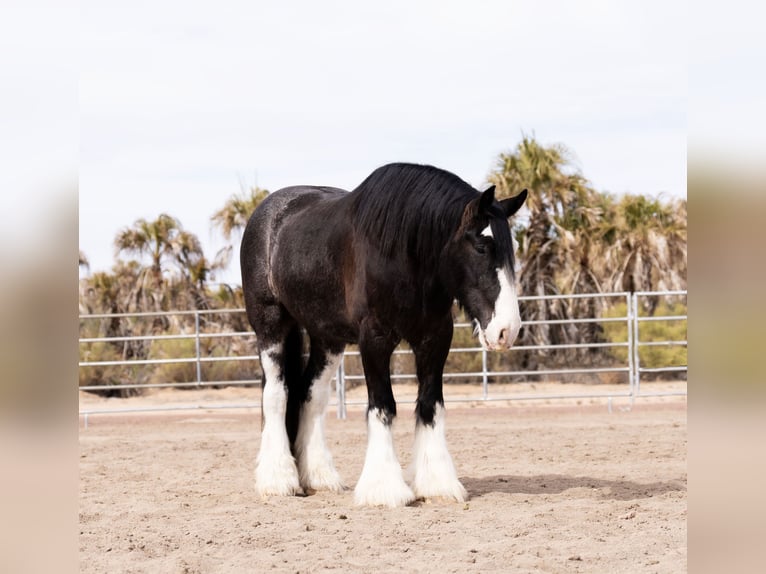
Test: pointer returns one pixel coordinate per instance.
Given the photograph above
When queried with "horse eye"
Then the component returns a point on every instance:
(481, 244)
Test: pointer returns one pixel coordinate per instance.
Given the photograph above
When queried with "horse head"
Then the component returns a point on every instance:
(479, 265)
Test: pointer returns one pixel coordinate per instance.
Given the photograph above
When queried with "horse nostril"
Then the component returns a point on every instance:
(503, 336)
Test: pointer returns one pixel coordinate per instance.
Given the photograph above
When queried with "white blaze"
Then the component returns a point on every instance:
(505, 316)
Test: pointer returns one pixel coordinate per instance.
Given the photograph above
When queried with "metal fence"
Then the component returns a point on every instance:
(192, 325)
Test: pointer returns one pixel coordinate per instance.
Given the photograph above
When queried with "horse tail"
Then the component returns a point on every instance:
(293, 371)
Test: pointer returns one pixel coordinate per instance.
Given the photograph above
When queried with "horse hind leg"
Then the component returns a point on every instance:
(297, 389)
(276, 472)
(315, 464)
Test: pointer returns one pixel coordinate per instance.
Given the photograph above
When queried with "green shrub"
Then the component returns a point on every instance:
(651, 331)
(212, 371)
(173, 372)
(109, 375)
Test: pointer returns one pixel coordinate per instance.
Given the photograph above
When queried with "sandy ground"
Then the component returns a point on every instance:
(555, 486)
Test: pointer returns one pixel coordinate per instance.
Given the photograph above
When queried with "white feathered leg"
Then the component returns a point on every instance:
(381, 482)
(275, 471)
(432, 471)
(315, 465)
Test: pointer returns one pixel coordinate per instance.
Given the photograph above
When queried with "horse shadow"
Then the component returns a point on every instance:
(557, 484)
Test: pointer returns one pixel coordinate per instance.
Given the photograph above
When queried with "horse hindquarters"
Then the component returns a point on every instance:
(293, 454)
(278, 340)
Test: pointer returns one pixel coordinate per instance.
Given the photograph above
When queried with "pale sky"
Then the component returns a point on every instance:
(182, 103)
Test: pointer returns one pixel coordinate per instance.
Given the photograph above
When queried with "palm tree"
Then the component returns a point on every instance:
(558, 241)
(232, 217)
(84, 263)
(563, 208)
(99, 293)
(167, 244)
(152, 238)
(650, 249)
(127, 288)
(173, 275)
(578, 240)
(196, 269)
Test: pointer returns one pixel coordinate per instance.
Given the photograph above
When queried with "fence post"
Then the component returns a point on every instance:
(636, 343)
(631, 342)
(484, 378)
(340, 388)
(196, 344)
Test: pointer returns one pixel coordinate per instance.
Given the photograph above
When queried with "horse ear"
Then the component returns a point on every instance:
(487, 198)
(513, 204)
(478, 206)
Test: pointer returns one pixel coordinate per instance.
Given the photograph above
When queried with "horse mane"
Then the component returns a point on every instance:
(414, 210)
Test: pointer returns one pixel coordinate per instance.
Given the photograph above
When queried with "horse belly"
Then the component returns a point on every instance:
(319, 307)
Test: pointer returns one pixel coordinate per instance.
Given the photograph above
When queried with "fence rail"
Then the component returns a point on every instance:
(632, 366)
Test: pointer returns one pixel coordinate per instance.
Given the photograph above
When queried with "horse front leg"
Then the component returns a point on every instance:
(432, 472)
(381, 482)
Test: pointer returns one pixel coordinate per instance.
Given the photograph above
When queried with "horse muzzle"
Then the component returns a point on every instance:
(499, 337)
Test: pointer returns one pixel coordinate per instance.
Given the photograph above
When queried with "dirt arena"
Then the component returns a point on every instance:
(555, 486)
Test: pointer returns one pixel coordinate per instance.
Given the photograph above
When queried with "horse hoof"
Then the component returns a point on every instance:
(451, 490)
(277, 480)
(383, 494)
(326, 483)
(456, 494)
(268, 492)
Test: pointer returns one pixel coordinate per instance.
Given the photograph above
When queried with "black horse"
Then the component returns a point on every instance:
(382, 263)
